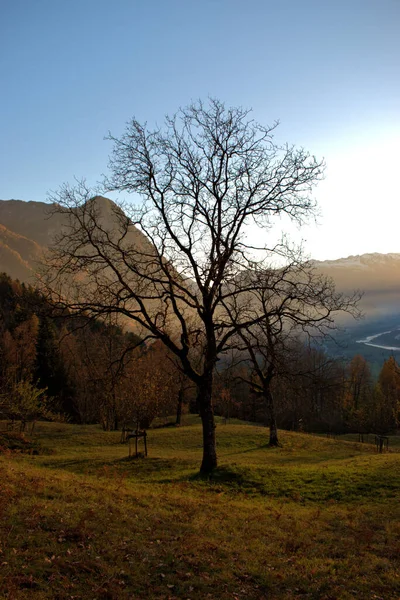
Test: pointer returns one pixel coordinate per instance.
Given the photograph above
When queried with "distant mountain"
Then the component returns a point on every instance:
(376, 336)
(17, 254)
(32, 220)
(25, 233)
(28, 228)
(372, 270)
(377, 275)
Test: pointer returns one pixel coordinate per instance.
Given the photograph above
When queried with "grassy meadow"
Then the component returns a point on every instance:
(317, 518)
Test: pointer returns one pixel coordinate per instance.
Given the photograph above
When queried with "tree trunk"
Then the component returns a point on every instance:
(209, 461)
(179, 407)
(273, 430)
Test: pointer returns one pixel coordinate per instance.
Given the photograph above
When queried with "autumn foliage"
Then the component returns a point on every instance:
(56, 367)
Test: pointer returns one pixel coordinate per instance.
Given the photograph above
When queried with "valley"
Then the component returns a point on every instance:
(387, 340)
(375, 339)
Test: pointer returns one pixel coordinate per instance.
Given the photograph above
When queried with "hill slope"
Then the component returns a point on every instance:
(83, 521)
(378, 275)
(28, 229)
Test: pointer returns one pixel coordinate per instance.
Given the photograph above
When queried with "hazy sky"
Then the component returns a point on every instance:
(329, 70)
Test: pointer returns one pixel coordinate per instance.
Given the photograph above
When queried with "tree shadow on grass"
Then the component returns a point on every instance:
(311, 484)
(159, 470)
(265, 446)
(234, 479)
(142, 470)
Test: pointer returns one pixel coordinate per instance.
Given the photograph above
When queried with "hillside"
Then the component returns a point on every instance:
(378, 275)
(28, 228)
(317, 518)
(376, 336)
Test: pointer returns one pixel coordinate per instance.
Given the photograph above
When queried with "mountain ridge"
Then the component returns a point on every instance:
(360, 260)
(27, 229)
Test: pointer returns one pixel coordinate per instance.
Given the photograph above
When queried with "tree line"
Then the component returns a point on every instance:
(316, 393)
(84, 370)
(56, 367)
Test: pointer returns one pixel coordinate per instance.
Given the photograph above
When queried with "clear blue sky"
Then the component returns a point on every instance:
(329, 70)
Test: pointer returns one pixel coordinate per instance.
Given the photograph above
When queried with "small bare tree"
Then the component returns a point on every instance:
(203, 180)
(295, 302)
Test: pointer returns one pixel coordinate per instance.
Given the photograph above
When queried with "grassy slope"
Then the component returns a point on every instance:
(317, 518)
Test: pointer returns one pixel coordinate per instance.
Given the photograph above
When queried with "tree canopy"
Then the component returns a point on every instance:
(203, 181)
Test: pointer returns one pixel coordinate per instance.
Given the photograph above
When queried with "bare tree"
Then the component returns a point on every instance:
(309, 393)
(295, 302)
(202, 180)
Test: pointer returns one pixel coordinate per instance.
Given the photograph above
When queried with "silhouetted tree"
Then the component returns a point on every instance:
(50, 372)
(358, 396)
(203, 180)
(387, 397)
(283, 304)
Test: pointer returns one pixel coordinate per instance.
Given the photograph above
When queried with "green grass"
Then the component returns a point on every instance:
(317, 518)
(369, 438)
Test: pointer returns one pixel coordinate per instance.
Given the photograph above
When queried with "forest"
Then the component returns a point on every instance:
(62, 367)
